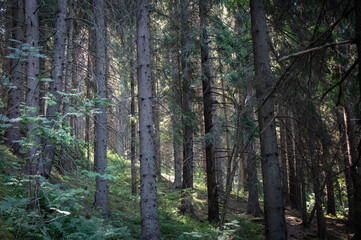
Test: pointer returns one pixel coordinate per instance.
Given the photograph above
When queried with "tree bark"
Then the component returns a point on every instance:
(100, 143)
(15, 95)
(352, 142)
(284, 169)
(32, 85)
(209, 111)
(148, 189)
(275, 227)
(253, 206)
(57, 67)
(68, 73)
(133, 134)
(186, 100)
(291, 161)
(331, 205)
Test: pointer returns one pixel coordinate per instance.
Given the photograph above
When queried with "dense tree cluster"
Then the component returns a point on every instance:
(233, 93)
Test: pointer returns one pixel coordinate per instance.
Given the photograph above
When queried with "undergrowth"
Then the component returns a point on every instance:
(62, 208)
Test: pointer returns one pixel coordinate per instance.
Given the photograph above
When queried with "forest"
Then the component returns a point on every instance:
(180, 119)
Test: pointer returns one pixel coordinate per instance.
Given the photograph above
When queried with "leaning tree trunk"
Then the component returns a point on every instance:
(32, 85)
(209, 110)
(148, 189)
(100, 146)
(15, 95)
(57, 67)
(275, 226)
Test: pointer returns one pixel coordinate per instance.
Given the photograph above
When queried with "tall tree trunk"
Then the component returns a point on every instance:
(15, 95)
(32, 84)
(176, 125)
(352, 142)
(100, 145)
(284, 169)
(68, 72)
(301, 168)
(227, 150)
(57, 67)
(186, 100)
(209, 111)
(156, 119)
(133, 134)
(148, 188)
(291, 161)
(346, 164)
(275, 226)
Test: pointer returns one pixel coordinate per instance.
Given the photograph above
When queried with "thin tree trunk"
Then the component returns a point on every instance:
(133, 133)
(156, 120)
(68, 72)
(148, 188)
(227, 153)
(346, 165)
(100, 145)
(275, 226)
(301, 168)
(17, 73)
(57, 67)
(284, 169)
(291, 161)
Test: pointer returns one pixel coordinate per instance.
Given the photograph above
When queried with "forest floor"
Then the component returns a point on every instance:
(336, 227)
(74, 193)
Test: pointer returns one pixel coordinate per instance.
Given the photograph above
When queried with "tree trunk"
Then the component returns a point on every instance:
(186, 101)
(253, 206)
(291, 161)
(100, 143)
(284, 169)
(148, 189)
(133, 134)
(274, 212)
(301, 173)
(352, 142)
(331, 205)
(57, 67)
(32, 85)
(68, 73)
(209, 111)
(321, 227)
(156, 119)
(346, 164)
(15, 95)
